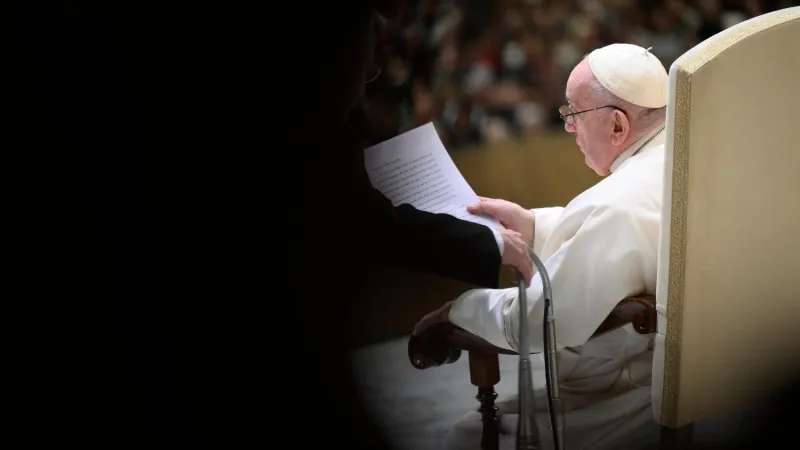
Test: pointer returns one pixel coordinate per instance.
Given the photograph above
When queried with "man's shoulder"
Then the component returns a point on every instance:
(652, 159)
(608, 196)
(618, 195)
(636, 182)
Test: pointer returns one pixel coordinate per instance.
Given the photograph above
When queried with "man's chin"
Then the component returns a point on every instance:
(595, 169)
(601, 172)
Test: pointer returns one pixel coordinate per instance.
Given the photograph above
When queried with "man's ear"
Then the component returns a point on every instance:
(622, 128)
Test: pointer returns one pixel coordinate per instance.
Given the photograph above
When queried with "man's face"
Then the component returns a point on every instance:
(335, 73)
(593, 129)
(353, 67)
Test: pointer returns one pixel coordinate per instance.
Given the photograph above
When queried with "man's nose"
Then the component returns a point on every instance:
(569, 128)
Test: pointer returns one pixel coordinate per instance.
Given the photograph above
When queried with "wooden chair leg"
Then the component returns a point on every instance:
(484, 373)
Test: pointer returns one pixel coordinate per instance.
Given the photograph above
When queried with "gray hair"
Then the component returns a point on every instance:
(643, 120)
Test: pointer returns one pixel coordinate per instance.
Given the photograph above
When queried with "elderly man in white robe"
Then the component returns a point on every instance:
(598, 250)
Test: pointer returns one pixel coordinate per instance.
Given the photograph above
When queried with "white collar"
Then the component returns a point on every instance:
(652, 139)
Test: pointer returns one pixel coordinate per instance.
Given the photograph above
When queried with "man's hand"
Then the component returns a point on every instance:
(517, 236)
(511, 215)
(441, 315)
(515, 253)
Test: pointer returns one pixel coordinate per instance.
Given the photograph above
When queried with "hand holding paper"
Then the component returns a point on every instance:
(415, 168)
(509, 214)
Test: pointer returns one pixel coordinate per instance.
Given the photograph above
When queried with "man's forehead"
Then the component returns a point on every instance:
(572, 93)
(577, 82)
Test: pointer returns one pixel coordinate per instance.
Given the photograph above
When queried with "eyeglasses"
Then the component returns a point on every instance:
(567, 115)
(373, 72)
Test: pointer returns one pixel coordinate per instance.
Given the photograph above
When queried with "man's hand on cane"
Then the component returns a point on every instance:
(517, 236)
(515, 253)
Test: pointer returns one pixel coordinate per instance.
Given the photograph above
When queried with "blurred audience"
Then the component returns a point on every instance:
(491, 70)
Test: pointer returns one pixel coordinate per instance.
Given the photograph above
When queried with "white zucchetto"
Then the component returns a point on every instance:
(631, 73)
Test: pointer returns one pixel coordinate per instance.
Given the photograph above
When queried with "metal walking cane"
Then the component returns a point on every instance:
(528, 437)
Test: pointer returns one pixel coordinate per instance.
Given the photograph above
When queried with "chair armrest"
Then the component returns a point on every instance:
(443, 343)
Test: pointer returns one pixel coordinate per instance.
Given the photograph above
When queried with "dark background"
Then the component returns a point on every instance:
(150, 139)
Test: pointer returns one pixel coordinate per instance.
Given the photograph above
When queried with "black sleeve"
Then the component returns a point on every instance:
(436, 243)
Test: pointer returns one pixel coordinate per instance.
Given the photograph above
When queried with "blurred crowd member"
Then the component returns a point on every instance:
(485, 71)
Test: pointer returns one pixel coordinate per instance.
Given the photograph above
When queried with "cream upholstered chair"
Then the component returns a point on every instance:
(728, 296)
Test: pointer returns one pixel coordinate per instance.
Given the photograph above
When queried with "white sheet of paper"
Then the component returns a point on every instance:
(415, 168)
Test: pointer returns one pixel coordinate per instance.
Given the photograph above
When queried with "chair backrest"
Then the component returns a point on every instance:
(728, 294)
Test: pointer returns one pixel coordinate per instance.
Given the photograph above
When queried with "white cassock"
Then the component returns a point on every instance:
(598, 250)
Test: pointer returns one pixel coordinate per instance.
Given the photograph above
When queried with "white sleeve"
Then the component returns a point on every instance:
(589, 274)
(544, 220)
